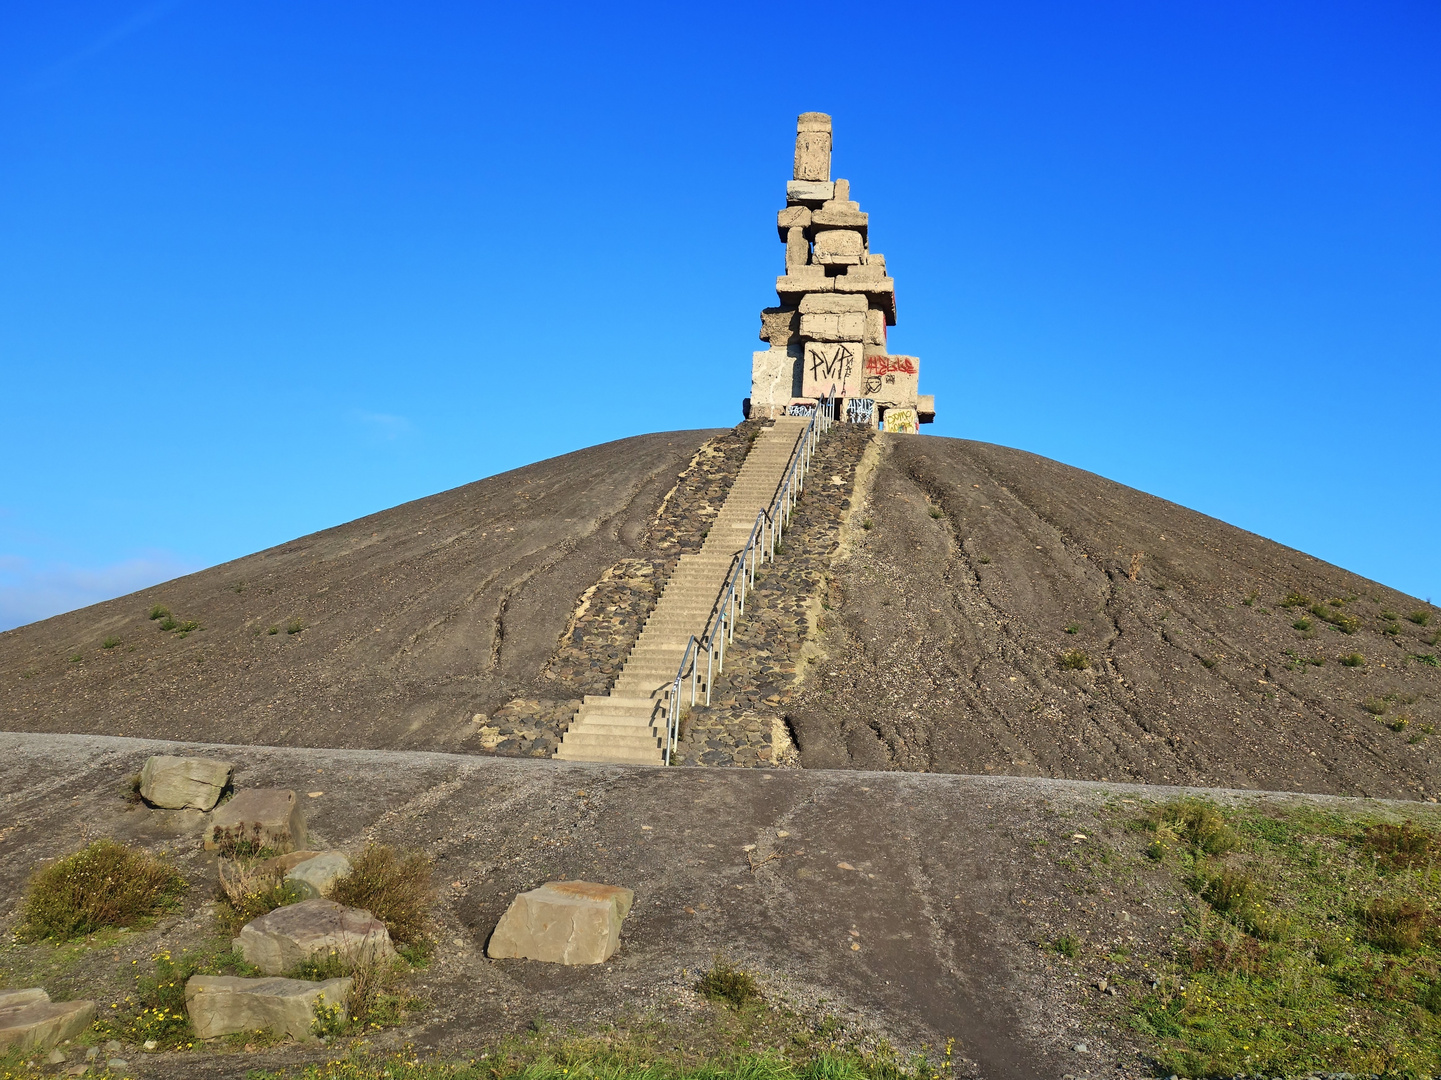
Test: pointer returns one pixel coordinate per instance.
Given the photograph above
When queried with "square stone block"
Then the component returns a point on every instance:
(775, 375)
(831, 364)
(780, 325)
(263, 817)
(842, 326)
(839, 247)
(875, 325)
(282, 938)
(563, 922)
(831, 303)
(792, 217)
(892, 380)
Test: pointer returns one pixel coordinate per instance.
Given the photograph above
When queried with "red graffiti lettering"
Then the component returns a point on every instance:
(884, 365)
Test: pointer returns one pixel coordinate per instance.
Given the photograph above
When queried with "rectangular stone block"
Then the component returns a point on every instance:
(224, 1004)
(29, 1020)
(256, 819)
(792, 287)
(875, 324)
(792, 217)
(866, 271)
(903, 421)
(563, 922)
(830, 303)
(831, 367)
(839, 247)
(798, 249)
(892, 380)
(775, 376)
(843, 191)
(780, 325)
(810, 192)
(813, 147)
(839, 215)
(839, 326)
(882, 293)
(179, 783)
(926, 408)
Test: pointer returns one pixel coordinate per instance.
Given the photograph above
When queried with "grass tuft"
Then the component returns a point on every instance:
(110, 642)
(295, 626)
(1396, 924)
(1073, 660)
(1375, 706)
(159, 611)
(106, 884)
(1354, 659)
(248, 891)
(392, 886)
(728, 983)
(1420, 618)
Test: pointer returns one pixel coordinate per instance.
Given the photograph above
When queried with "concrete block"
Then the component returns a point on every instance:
(809, 192)
(775, 376)
(780, 325)
(224, 1004)
(866, 271)
(813, 147)
(839, 247)
(179, 783)
(903, 421)
(840, 326)
(926, 408)
(792, 287)
(839, 215)
(798, 249)
(314, 876)
(875, 324)
(792, 217)
(892, 380)
(279, 940)
(563, 922)
(263, 817)
(882, 293)
(842, 191)
(29, 1020)
(831, 364)
(831, 303)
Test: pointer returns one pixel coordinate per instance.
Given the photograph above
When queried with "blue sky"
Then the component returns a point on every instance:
(268, 267)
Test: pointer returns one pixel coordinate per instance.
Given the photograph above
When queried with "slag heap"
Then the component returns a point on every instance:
(828, 336)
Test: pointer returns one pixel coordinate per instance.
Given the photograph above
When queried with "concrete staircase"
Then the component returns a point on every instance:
(628, 725)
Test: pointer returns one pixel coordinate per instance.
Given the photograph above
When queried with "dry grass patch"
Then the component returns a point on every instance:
(394, 887)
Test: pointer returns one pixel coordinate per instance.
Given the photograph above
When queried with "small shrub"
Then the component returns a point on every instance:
(867, 523)
(77, 658)
(937, 513)
(1395, 925)
(1374, 705)
(106, 884)
(1330, 612)
(1295, 599)
(1252, 597)
(273, 630)
(1389, 615)
(238, 587)
(395, 888)
(1391, 628)
(1400, 847)
(1229, 892)
(1073, 660)
(726, 982)
(1196, 822)
(1302, 623)
(1420, 618)
(984, 559)
(159, 611)
(1068, 946)
(1401, 723)
(1429, 659)
(167, 624)
(110, 642)
(1354, 659)
(295, 626)
(248, 892)
(1072, 628)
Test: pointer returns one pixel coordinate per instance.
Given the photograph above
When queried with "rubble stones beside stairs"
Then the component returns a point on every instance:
(608, 620)
(181, 783)
(224, 1004)
(29, 1020)
(278, 941)
(745, 723)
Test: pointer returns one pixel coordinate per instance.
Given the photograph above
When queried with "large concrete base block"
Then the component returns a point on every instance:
(29, 1020)
(832, 367)
(563, 922)
(775, 378)
(224, 1004)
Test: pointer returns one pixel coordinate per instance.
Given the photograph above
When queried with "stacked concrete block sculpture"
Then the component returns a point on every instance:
(828, 334)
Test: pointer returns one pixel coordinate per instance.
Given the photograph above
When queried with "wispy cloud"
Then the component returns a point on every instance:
(136, 20)
(383, 425)
(31, 590)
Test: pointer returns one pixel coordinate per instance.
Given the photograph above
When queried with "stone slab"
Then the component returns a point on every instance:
(563, 922)
(831, 303)
(267, 817)
(279, 940)
(813, 147)
(839, 247)
(875, 325)
(839, 326)
(882, 293)
(224, 1004)
(181, 783)
(315, 876)
(792, 217)
(775, 377)
(798, 249)
(839, 215)
(810, 192)
(926, 408)
(29, 1020)
(792, 287)
(831, 364)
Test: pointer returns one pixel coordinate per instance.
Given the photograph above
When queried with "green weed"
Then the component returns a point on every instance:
(295, 626)
(1420, 618)
(105, 884)
(1068, 946)
(1354, 659)
(1375, 706)
(159, 611)
(728, 983)
(1073, 660)
(110, 642)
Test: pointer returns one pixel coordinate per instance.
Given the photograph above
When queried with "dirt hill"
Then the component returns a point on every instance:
(1002, 613)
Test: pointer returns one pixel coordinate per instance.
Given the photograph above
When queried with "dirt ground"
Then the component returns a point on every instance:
(950, 887)
(982, 566)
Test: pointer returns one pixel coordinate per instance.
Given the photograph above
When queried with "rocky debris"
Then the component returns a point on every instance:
(745, 722)
(224, 1004)
(563, 922)
(180, 783)
(314, 876)
(278, 941)
(604, 627)
(29, 1020)
(260, 819)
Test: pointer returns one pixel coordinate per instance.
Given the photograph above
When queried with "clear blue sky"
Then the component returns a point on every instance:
(266, 267)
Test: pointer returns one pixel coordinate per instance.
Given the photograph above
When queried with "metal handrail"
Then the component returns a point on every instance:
(770, 523)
